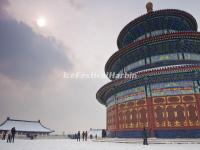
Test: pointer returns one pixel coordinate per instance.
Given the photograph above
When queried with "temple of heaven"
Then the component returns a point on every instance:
(162, 49)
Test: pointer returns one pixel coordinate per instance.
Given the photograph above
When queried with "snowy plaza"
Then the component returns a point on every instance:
(68, 144)
(99, 75)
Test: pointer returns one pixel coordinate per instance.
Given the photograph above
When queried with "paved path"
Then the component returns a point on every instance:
(151, 140)
(67, 144)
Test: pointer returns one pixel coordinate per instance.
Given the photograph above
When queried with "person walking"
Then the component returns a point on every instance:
(13, 132)
(4, 135)
(96, 136)
(86, 135)
(9, 136)
(78, 136)
(83, 135)
(145, 135)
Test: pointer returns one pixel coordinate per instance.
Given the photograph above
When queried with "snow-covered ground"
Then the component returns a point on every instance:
(68, 144)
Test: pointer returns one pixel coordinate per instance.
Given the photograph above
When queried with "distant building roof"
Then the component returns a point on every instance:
(24, 126)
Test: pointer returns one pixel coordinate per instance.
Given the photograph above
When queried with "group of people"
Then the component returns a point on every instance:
(145, 135)
(84, 136)
(10, 135)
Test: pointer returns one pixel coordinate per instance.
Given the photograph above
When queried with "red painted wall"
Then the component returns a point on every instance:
(167, 112)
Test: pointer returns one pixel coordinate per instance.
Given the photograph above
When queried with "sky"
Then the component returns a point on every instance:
(79, 37)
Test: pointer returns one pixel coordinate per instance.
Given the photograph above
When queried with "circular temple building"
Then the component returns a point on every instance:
(162, 50)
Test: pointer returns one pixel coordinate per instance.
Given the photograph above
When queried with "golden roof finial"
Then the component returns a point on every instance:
(149, 7)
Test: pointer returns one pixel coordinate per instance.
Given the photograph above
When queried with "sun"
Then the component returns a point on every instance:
(41, 22)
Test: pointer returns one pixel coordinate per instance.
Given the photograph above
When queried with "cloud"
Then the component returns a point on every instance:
(26, 55)
(75, 4)
(3, 5)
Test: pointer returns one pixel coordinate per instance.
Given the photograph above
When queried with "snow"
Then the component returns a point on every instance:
(68, 144)
(24, 126)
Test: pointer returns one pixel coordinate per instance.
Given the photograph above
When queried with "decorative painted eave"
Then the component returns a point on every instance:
(134, 45)
(173, 12)
(146, 73)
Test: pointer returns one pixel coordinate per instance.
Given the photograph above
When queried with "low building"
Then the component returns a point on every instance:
(25, 128)
(100, 133)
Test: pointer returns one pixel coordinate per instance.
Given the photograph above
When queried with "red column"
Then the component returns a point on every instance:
(106, 118)
(197, 96)
(116, 117)
(151, 119)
